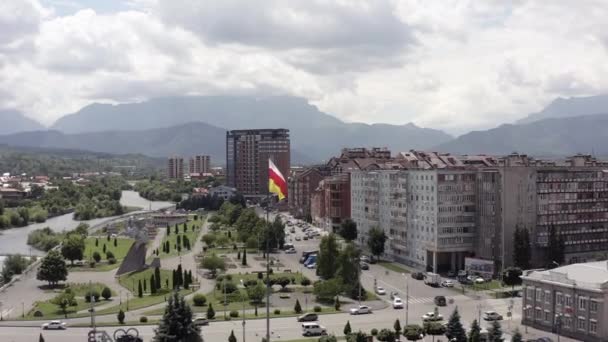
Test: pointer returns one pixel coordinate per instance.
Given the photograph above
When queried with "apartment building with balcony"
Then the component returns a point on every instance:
(426, 207)
(570, 301)
(200, 164)
(331, 202)
(175, 167)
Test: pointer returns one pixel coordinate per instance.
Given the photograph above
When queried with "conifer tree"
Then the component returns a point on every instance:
(152, 285)
(475, 332)
(347, 329)
(176, 323)
(244, 261)
(157, 277)
(455, 330)
(495, 332)
(232, 338)
(140, 292)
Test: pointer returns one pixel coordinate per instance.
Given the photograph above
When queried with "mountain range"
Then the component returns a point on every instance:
(197, 125)
(13, 121)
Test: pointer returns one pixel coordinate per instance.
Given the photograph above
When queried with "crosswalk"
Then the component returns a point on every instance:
(431, 300)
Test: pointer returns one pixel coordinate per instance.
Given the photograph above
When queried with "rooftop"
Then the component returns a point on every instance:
(588, 275)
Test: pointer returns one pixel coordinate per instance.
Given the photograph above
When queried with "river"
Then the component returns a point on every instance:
(14, 240)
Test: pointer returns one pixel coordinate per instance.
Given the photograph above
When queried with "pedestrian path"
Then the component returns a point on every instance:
(431, 300)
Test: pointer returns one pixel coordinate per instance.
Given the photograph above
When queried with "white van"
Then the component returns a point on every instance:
(313, 329)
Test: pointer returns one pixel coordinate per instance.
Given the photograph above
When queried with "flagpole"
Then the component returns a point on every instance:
(268, 257)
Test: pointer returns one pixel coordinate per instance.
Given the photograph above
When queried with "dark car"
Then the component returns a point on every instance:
(451, 274)
(440, 300)
(309, 317)
(465, 281)
(418, 275)
(364, 266)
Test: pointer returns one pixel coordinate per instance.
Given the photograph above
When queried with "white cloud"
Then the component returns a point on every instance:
(454, 65)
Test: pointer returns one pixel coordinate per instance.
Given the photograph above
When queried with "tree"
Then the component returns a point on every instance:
(348, 230)
(413, 332)
(297, 308)
(52, 268)
(244, 260)
(73, 248)
(512, 276)
(64, 300)
(140, 292)
(232, 338)
(359, 336)
(495, 332)
(475, 332)
(386, 335)
(256, 293)
(176, 229)
(328, 289)
(157, 277)
(180, 275)
(283, 281)
(328, 338)
(213, 263)
(96, 256)
(455, 331)
(106, 293)
(40, 338)
(434, 329)
(397, 327)
(555, 249)
(96, 242)
(115, 242)
(347, 329)
(104, 249)
(121, 317)
(376, 240)
(152, 285)
(304, 282)
(521, 248)
(517, 336)
(168, 230)
(176, 323)
(348, 267)
(328, 257)
(210, 312)
(238, 254)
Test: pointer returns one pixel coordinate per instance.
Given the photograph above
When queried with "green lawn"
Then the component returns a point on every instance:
(95, 244)
(130, 281)
(53, 311)
(493, 285)
(81, 289)
(193, 230)
(391, 266)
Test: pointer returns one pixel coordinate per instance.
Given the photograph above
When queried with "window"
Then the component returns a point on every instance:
(567, 322)
(548, 297)
(582, 323)
(559, 298)
(547, 316)
(592, 306)
(568, 300)
(592, 326)
(539, 295)
(539, 313)
(582, 303)
(530, 293)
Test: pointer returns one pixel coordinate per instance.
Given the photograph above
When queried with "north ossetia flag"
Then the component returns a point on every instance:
(276, 182)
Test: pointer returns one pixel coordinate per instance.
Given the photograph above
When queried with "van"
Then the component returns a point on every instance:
(305, 255)
(313, 329)
(288, 246)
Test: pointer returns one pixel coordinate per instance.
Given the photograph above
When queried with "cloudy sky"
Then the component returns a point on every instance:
(453, 65)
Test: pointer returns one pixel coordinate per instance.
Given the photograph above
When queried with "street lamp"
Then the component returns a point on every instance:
(527, 309)
(243, 299)
(407, 300)
(558, 324)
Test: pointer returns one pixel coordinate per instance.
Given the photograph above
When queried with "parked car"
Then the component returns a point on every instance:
(447, 283)
(200, 321)
(492, 316)
(364, 266)
(298, 238)
(397, 303)
(54, 325)
(308, 317)
(313, 329)
(364, 258)
(290, 251)
(418, 275)
(380, 290)
(440, 301)
(394, 295)
(432, 317)
(360, 310)
(465, 281)
(311, 266)
(305, 237)
(479, 280)
(451, 274)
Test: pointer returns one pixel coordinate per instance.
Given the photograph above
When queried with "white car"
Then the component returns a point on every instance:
(492, 316)
(198, 321)
(290, 251)
(447, 283)
(432, 317)
(54, 325)
(362, 309)
(380, 290)
(311, 266)
(397, 303)
(479, 280)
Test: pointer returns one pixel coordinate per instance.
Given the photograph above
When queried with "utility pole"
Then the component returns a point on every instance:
(407, 300)
(268, 265)
(92, 309)
(243, 299)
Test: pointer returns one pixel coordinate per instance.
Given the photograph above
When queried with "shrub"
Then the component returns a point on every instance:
(111, 261)
(96, 295)
(109, 255)
(374, 332)
(92, 264)
(260, 275)
(121, 317)
(96, 256)
(228, 276)
(277, 311)
(234, 313)
(317, 308)
(38, 313)
(143, 319)
(106, 293)
(199, 299)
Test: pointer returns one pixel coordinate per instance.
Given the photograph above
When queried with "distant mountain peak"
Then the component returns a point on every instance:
(562, 107)
(14, 121)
